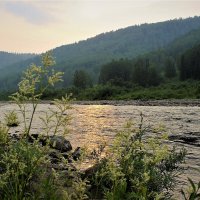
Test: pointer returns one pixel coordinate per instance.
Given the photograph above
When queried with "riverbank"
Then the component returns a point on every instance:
(175, 102)
(169, 102)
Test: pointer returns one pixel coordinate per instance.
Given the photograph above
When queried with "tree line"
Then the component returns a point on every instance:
(144, 71)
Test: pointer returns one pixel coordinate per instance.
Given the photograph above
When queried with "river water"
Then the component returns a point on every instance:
(95, 124)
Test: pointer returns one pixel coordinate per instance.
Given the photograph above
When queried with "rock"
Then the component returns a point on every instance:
(33, 137)
(60, 143)
(189, 139)
(186, 138)
(54, 157)
(67, 157)
(15, 137)
(77, 153)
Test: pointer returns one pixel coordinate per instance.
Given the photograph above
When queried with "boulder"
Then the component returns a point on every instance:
(60, 143)
(54, 157)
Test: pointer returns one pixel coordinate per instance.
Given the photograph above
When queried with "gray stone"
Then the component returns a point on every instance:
(187, 138)
(60, 143)
(77, 153)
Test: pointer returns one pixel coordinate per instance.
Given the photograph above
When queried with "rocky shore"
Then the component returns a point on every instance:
(165, 102)
(170, 102)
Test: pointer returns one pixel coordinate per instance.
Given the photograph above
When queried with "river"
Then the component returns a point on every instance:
(95, 124)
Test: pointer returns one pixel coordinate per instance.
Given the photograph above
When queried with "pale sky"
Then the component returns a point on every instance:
(39, 25)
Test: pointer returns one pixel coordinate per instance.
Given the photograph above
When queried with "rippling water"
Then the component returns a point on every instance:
(93, 124)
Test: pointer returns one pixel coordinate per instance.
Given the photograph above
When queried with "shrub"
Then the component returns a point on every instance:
(21, 162)
(137, 168)
(35, 81)
(3, 134)
(25, 168)
(11, 119)
(193, 192)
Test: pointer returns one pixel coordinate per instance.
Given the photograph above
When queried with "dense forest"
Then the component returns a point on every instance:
(7, 59)
(129, 63)
(144, 78)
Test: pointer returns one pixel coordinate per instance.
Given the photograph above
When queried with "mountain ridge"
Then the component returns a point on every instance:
(8, 58)
(92, 53)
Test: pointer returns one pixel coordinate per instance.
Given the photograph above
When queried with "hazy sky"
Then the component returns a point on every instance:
(39, 25)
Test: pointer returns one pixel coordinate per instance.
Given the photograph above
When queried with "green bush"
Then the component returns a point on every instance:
(3, 134)
(25, 169)
(193, 192)
(21, 163)
(137, 167)
(11, 119)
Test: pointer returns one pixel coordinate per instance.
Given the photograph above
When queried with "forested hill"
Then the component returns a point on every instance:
(129, 42)
(92, 53)
(181, 44)
(7, 59)
(174, 49)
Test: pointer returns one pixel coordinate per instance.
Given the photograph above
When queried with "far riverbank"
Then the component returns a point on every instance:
(166, 102)
(170, 102)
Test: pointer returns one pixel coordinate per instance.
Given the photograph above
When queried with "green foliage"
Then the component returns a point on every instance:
(101, 92)
(122, 72)
(190, 64)
(11, 119)
(36, 80)
(170, 70)
(7, 59)
(21, 163)
(144, 74)
(183, 43)
(130, 42)
(170, 90)
(57, 120)
(138, 168)
(193, 192)
(25, 168)
(82, 79)
(3, 134)
(116, 72)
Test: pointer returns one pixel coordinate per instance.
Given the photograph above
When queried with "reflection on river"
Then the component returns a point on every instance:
(94, 124)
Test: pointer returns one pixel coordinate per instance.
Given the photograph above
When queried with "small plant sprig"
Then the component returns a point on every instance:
(137, 167)
(36, 80)
(57, 118)
(26, 167)
(11, 119)
(3, 134)
(193, 192)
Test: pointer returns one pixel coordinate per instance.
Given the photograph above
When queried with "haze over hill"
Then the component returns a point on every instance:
(12, 58)
(129, 43)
